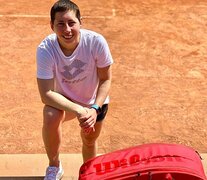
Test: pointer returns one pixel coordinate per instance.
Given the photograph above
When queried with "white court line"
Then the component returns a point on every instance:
(24, 15)
(47, 16)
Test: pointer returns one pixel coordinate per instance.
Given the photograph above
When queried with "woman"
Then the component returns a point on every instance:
(74, 78)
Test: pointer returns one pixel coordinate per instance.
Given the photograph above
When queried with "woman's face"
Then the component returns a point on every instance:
(67, 27)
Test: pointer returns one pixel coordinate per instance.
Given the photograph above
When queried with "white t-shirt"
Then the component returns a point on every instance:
(75, 75)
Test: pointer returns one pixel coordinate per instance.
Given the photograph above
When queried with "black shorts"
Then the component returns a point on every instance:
(103, 112)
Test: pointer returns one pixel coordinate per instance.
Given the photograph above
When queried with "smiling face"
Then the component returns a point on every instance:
(67, 28)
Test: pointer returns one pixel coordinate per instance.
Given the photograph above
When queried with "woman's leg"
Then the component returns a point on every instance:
(52, 133)
(89, 147)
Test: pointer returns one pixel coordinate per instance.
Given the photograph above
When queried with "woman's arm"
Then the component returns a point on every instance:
(105, 76)
(54, 99)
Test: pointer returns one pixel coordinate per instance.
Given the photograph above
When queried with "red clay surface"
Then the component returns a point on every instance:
(159, 88)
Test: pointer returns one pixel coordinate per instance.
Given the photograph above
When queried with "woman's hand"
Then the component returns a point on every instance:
(88, 121)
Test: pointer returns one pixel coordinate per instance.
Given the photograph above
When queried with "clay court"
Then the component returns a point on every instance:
(159, 87)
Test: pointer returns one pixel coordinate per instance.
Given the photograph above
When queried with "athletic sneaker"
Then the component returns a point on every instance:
(54, 173)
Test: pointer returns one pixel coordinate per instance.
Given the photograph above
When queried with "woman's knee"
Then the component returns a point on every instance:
(52, 116)
(89, 139)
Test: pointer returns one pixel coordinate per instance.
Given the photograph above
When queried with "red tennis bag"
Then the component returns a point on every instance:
(146, 162)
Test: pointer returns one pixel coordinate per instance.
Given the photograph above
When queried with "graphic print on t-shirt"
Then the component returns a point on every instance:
(73, 70)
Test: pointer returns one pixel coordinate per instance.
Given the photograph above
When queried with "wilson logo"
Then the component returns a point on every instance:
(102, 168)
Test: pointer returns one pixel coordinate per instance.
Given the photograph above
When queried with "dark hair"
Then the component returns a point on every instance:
(64, 5)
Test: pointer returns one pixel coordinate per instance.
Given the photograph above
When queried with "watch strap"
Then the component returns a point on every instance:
(96, 107)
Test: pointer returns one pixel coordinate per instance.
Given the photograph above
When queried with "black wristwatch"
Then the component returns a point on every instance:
(97, 108)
